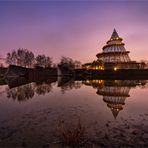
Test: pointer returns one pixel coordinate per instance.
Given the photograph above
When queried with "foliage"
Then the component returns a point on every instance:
(21, 93)
(1, 65)
(27, 91)
(144, 63)
(74, 136)
(77, 64)
(69, 63)
(42, 89)
(2, 71)
(43, 61)
(21, 57)
(71, 84)
(25, 58)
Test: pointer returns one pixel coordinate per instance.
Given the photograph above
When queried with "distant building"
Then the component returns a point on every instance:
(114, 56)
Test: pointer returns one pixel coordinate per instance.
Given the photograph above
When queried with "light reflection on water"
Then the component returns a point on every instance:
(113, 112)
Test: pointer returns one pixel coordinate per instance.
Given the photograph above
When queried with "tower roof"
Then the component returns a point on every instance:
(115, 34)
(114, 52)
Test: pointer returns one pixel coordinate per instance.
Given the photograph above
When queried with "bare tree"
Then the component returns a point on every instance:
(14, 57)
(144, 63)
(43, 61)
(1, 65)
(8, 58)
(77, 64)
(48, 62)
(21, 57)
(29, 59)
(69, 63)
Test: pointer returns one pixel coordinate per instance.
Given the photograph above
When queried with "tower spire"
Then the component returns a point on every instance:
(114, 34)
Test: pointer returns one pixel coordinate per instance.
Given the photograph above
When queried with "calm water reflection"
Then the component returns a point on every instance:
(111, 112)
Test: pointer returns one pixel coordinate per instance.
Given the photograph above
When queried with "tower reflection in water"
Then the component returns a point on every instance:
(114, 92)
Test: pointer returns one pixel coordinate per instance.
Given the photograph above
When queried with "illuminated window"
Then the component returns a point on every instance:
(115, 68)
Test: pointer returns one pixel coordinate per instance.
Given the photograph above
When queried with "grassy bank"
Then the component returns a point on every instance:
(2, 81)
(2, 71)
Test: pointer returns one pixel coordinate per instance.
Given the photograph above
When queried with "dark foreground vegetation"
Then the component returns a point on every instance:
(2, 71)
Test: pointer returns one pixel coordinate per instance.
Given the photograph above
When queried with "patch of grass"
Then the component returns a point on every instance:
(1, 76)
(74, 136)
(2, 71)
(2, 80)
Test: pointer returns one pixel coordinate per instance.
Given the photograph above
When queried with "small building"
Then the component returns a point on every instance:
(96, 65)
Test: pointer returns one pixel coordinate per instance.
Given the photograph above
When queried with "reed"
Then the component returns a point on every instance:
(73, 136)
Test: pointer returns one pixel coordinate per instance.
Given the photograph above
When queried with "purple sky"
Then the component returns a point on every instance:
(75, 29)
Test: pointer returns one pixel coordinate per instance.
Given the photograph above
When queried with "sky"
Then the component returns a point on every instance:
(77, 29)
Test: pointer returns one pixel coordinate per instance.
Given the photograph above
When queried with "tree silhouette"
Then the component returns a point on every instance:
(69, 63)
(43, 61)
(21, 57)
(21, 93)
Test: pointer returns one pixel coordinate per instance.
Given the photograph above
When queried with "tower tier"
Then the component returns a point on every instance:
(116, 56)
(114, 50)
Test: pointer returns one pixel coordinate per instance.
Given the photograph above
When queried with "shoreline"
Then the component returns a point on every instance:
(29, 73)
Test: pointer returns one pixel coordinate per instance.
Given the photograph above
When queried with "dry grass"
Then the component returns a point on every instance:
(73, 136)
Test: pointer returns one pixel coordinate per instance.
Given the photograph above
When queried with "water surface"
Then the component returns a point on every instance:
(111, 112)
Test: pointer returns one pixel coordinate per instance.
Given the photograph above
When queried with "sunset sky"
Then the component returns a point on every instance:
(77, 29)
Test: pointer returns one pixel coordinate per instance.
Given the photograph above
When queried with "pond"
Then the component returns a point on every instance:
(67, 112)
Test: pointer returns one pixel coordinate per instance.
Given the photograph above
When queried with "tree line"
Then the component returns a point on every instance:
(25, 58)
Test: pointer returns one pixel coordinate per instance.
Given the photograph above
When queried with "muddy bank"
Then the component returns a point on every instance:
(19, 132)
